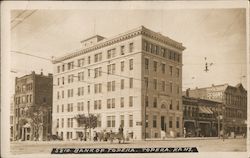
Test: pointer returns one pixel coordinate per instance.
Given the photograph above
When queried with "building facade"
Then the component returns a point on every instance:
(201, 117)
(234, 105)
(12, 118)
(118, 79)
(33, 91)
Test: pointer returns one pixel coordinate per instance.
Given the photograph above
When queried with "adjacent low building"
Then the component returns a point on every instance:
(133, 79)
(233, 108)
(33, 91)
(201, 117)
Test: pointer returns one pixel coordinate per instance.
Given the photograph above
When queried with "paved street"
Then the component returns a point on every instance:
(203, 145)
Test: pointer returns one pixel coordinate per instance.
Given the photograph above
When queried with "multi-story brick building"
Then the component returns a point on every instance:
(33, 91)
(201, 117)
(118, 79)
(234, 104)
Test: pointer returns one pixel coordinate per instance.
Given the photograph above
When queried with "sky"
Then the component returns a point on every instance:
(219, 35)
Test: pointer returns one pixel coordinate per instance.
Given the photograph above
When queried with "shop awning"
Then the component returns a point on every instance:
(205, 110)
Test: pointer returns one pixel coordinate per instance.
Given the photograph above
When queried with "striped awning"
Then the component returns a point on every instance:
(205, 110)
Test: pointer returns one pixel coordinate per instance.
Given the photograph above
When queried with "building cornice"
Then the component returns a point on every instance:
(122, 37)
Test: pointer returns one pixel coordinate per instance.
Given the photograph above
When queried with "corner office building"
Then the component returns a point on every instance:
(118, 79)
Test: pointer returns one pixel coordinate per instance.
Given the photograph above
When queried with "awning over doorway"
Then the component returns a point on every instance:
(205, 110)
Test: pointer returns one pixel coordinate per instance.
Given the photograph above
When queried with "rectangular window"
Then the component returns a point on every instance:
(171, 104)
(155, 66)
(108, 121)
(163, 67)
(154, 121)
(155, 102)
(171, 87)
(58, 81)
(68, 122)
(89, 60)
(122, 83)
(70, 65)
(122, 50)
(57, 123)
(163, 86)
(122, 102)
(80, 62)
(130, 101)
(95, 104)
(146, 63)
(109, 86)
(122, 66)
(177, 89)
(177, 72)
(109, 69)
(63, 68)
(113, 68)
(131, 47)
(130, 120)
(122, 120)
(108, 103)
(178, 105)
(62, 122)
(80, 76)
(171, 70)
(113, 85)
(62, 108)
(57, 109)
(131, 64)
(130, 82)
(113, 102)
(58, 69)
(177, 122)
(89, 73)
(113, 121)
(155, 84)
(88, 89)
(63, 80)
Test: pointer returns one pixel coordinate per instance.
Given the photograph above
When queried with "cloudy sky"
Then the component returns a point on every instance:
(217, 34)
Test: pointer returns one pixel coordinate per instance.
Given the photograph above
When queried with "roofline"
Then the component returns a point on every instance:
(121, 37)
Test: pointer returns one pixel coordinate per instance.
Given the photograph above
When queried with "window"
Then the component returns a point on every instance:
(57, 123)
(88, 89)
(122, 50)
(170, 122)
(171, 70)
(111, 121)
(62, 108)
(63, 68)
(130, 64)
(154, 121)
(62, 122)
(155, 102)
(155, 66)
(146, 63)
(70, 93)
(95, 104)
(80, 106)
(177, 89)
(146, 101)
(70, 65)
(98, 88)
(109, 86)
(163, 68)
(113, 68)
(171, 104)
(70, 78)
(58, 69)
(178, 105)
(122, 83)
(122, 120)
(57, 109)
(122, 66)
(157, 50)
(163, 51)
(108, 103)
(177, 122)
(131, 47)
(80, 76)
(130, 120)
(122, 102)
(70, 107)
(98, 57)
(163, 86)
(130, 101)
(113, 85)
(98, 72)
(88, 72)
(130, 82)
(80, 91)
(63, 80)
(171, 87)
(89, 60)
(99, 121)
(177, 72)
(111, 53)
(80, 62)
(113, 102)
(155, 84)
